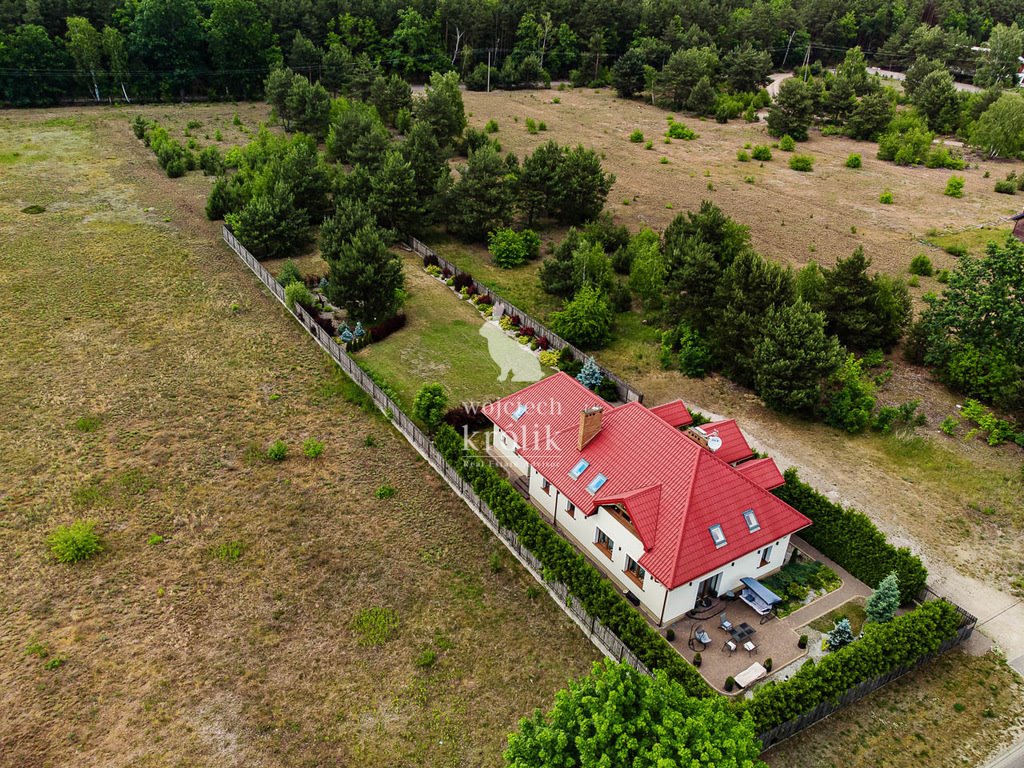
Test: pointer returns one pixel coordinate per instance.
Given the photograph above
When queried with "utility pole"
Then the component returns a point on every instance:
(488, 70)
(792, 35)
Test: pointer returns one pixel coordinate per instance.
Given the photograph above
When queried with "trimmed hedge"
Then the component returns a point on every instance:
(852, 540)
(881, 649)
(562, 563)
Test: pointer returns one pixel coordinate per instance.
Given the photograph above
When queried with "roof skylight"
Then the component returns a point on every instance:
(751, 520)
(596, 483)
(717, 535)
(579, 469)
(518, 413)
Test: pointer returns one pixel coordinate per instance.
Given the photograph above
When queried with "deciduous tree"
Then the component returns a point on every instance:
(618, 717)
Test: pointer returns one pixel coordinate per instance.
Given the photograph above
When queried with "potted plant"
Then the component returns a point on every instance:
(802, 642)
(730, 683)
(670, 634)
(768, 665)
(696, 659)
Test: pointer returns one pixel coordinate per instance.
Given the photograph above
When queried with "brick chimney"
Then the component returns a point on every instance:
(590, 424)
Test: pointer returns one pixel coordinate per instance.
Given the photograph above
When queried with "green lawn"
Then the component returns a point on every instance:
(441, 342)
(521, 285)
(853, 610)
(974, 240)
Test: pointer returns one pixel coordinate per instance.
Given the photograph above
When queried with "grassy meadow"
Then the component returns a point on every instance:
(243, 611)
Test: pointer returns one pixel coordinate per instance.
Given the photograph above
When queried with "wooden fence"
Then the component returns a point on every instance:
(602, 637)
(626, 392)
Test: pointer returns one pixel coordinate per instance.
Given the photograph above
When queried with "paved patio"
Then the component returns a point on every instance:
(774, 639)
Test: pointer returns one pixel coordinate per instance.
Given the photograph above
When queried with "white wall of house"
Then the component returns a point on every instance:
(682, 598)
(583, 531)
(506, 446)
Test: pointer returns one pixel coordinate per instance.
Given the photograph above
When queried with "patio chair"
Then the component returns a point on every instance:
(700, 636)
(729, 646)
(723, 622)
(750, 648)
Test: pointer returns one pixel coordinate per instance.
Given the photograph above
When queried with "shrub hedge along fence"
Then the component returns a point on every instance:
(882, 648)
(562, 563)
(852, 540)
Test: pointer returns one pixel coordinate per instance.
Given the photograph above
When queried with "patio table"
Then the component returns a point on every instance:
(742, 632)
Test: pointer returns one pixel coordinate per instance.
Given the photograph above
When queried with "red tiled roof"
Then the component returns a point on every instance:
(673, 489)
(734, 444)
(552, 404)
(764, 472)
(674, 413)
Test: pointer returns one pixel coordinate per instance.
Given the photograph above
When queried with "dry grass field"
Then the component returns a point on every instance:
(953, 712)
(793, 217)
(142, 374)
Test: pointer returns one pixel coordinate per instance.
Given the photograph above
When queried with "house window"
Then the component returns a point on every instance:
(751, 519)
(545, 485)
(635, 572)
(570, 508)
(605, 544)
(717, 535)
(766, 555)
(579, 469)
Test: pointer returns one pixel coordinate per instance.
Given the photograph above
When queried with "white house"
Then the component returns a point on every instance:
(673, 514)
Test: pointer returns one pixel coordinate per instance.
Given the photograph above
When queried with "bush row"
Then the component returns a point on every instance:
(562, 563)
(852, 540)
(883, 648)
(174, 157)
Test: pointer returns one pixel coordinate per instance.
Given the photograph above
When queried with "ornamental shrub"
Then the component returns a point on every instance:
(882, 604)
(549, 358)
(852, 540)
(841, 635)
(76, 542)
(787, 143)
(761, 152)
(853, 161)
(298, 293)
(512, 249)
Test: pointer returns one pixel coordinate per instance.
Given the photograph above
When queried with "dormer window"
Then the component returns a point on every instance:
(579, 469)
(751, 519)
(596, 483)
(717, 535)
(517, 414)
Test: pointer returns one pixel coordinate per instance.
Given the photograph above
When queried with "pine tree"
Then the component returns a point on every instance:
(841, 635)
(884, 601)
(794, 358)
(591, 376)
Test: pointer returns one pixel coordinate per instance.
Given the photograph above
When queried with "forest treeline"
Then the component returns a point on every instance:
(117, 50)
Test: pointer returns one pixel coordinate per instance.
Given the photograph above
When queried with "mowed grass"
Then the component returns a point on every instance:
(852, 610)
(954, 711)
(521, 285)
(441, 342)
(153, 336)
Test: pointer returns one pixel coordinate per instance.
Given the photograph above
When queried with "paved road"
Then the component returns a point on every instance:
(1011, 758)
(894, 75)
